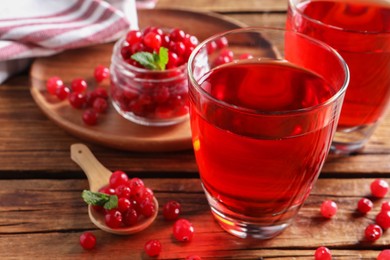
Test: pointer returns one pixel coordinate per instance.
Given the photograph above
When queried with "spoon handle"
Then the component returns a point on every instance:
(97, 174)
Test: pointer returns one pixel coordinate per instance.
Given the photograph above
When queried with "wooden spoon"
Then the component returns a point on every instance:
(98, 176)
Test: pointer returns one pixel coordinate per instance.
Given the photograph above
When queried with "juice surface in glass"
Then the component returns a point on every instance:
(262, 167)
(360, 32)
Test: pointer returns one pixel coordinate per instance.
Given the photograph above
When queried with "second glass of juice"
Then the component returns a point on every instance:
(263, 114)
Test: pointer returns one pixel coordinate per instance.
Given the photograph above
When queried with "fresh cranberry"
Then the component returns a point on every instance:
(133, 37)
(62, 92)
(383, 219)
(118, 178)
(245, 56)
(107, 190)
(79, 85)
(100, 105)
(328, 209)
(77, 100)
(130, 217)
(222, 42)
(190, 41)
(173, 60)
(385, 206)
(379, 188)
(152, 247)
(364, 205)
(100, 92)
(165, 40)
(384, 255)
(87, 240)
(211, 47)
(171, 210)
(101, 73)
(124, 204)
(373, 232)
(178, 47)
(148, 208)
(183, 230)
(90, 117)
(136, 185)
(177, 35)
(53, 83)
(113, 218)
(322, 253)
(161, 94)
(228, 53)
(148, 193)
(222, 60)
(123, 191)
(153, 41)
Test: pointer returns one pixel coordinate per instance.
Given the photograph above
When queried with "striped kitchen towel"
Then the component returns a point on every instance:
(33, 28)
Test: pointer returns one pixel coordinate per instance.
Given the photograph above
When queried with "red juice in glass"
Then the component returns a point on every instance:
(360, 31)
(261, 168)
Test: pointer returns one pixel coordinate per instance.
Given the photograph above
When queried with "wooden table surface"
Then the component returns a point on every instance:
(42, 214)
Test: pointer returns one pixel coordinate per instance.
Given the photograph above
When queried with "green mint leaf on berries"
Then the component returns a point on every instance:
(100, 199)
(152, 61)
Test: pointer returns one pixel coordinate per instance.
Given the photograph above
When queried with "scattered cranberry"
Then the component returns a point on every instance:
(246, 56)
(384, 255)
(77, 100)
(171, 210)
(100, 105)
(90, 117)
(328, 208)
(79, 85)
(373, 232)
(364, 205)
(101, 73)
(379, 188)
(153, 247)
(87, 240)
(183, 230)
(383, 219)
(385, 205)
(53, 83)
(322, 253)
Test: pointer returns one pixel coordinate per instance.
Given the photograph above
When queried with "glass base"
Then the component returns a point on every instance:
(351, 140)
(249, 227)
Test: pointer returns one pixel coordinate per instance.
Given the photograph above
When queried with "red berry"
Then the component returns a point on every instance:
(222, 42)
(133, 37)
(100, 105)
(328, 208)
(152, 247)
(177, 35)
(364, 205)
(178, 47)
(79, 85)
(136, 185)
(90, 117)
(379, 188)
(385, 206)
(246, 56)
(171, 210)
(101, 73)
(190, 41)
(77, 100)
(222, 60)
(322, 253)
(53, 83)
(148, 193)
(113, 218)
(118, 178)
(228, 53)
(62, 92)
(383, 219)
(100, 92)
(183, 230)
(147, 208)
(87, 240)
(123, 191)
(130, 217)
(124, 205)
(384, 255)
(107, 190)
(153, 41)
(373, 232)
(211, 47)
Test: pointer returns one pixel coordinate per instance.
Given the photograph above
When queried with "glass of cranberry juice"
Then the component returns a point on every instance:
(360, 31)
(262, 115)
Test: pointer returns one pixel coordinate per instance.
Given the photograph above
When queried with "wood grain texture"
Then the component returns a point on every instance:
(28, 214)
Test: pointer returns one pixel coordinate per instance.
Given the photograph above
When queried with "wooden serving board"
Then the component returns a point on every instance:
(113, 130)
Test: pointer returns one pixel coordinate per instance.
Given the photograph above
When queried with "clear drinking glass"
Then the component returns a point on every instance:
(360, 31)
(263, 113)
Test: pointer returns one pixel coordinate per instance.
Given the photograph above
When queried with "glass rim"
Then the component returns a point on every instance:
(293, 5)
(194, 84)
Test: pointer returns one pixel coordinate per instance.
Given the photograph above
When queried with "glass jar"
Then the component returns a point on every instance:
(148, 97)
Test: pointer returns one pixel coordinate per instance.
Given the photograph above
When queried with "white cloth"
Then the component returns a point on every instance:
(33, 28)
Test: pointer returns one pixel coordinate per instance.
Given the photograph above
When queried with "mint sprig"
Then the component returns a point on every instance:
(152, 61)
(100, 199)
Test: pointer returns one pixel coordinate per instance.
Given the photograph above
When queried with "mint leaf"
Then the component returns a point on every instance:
(152, 61)
(100, 199)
